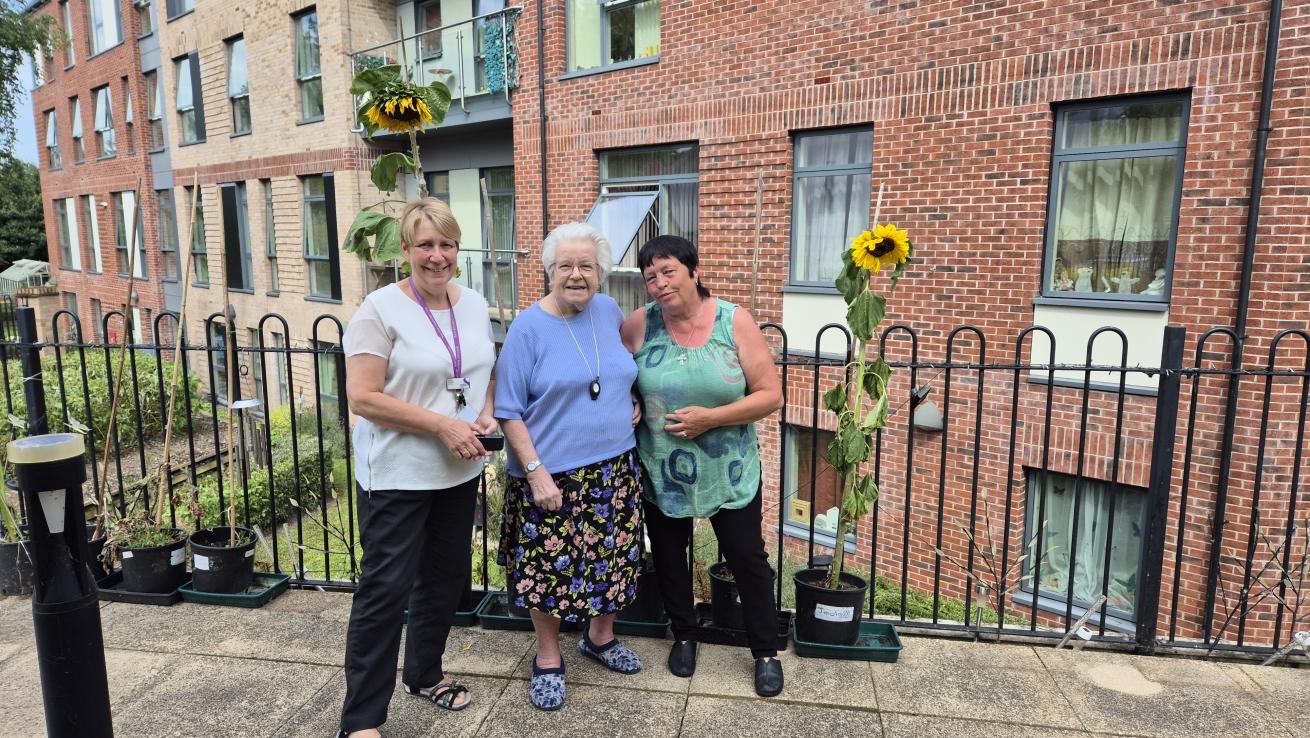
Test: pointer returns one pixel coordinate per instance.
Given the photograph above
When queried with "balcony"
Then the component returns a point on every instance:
(476, 57)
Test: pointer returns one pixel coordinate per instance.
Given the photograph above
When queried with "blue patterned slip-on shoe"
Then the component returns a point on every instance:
(546, 690)
(615, 655)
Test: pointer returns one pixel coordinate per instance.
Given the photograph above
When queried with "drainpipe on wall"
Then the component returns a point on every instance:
(1243, 298)
(541, 102)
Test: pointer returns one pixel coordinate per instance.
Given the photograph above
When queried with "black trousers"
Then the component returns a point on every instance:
(416, 554)
(742, 544)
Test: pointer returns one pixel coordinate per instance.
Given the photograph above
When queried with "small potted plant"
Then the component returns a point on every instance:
(15, 563)
(829, 602)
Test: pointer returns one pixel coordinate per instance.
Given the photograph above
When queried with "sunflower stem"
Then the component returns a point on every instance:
(418, 165)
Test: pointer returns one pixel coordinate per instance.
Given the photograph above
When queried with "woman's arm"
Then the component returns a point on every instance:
(633, 330)
(763, 389)
(366, 376)
(545, 494)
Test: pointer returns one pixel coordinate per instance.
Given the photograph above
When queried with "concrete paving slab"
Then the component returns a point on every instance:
(895, 725)
(654, 675)
(1284, 693)
(407, 716)
(16, 621)
(713, 717)
(327, 605)
(724, 671)
(588, 711)
(221, 698)
(729, 671)
(22, 711)
(7, 650)
(980, 681)
(493, 653)
(1157, 696)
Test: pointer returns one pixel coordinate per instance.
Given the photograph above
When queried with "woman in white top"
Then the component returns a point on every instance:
(419, 358)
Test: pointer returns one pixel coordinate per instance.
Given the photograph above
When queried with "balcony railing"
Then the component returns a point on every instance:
(476, 56)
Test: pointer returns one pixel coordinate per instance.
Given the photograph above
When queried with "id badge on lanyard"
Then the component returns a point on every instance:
(459, 384)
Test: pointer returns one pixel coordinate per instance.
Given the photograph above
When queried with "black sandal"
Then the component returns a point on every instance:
(443, 695)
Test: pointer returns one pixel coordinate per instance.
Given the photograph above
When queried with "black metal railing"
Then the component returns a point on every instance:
(1040, 495)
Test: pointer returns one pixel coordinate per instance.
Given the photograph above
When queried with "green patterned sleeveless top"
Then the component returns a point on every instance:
(719, 469)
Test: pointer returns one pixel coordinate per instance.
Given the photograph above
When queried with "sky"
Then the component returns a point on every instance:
(25, 141)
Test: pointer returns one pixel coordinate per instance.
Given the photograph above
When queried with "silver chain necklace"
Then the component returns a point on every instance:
(594, 388)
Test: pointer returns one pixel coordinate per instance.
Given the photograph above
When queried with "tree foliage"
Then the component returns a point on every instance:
(22, 224)
(22, 36)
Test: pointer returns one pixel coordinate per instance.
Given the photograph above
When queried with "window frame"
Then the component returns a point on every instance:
(799, 173)
(168, 236)
(66, 10)
(89, 205)
(236, 237)
(199, 257)
(70, 242)
(76, 132)
(270, 237)
(504, 257)
(420, 10)
(1061, 156)
(327, 354)
(155, 110)
(104, 96)
(283, 378)
(145, 14)
(571, 71)
(333, 257)
(234, 100)
(791, 489)
(54, 157)
(174, 9)
(123, 229)
(303, 81)
(197, 108)
(91, 6)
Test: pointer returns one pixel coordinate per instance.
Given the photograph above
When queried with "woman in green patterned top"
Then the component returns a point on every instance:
(705, 375)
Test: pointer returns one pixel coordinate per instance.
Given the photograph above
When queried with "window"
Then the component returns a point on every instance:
(93, 231)
(256, 364)
(97, 331)
(498, 228)
(327, 361)
(607, 32)
(179, 7)
(70, 304)
(190, 103)
(813, 485)
(644, 193)
(126, 224)
(145, 16)
(1116, 174)
(106, 25)
(236, 236)
(39, 74)
(320, 238)
(70, 58)
(439, 186)
(70, 250)
(218, 358)
(238, 86)
(280, 344)
(79, 148)
(168, 235)
(53, 159)
(104, 124)
(199, 253)
(155, 111)
(429, 19)
(1097, 509)
(832, 174)
(308, 74)
(127, 117)
(270, 234)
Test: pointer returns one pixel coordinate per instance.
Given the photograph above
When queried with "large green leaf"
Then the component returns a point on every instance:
(361, 117)
(382, 227)
(385, 168)
(437, 97)
(865, 313)
(372, 80)
(877, 415)
(386, 245)
(852, 280)
(835, 398)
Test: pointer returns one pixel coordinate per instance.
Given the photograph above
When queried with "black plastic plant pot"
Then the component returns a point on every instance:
(648, 607)
(826, 615)
(217, 566)
(725, 600)
(15, 569)
(94, 547)
(155, 569)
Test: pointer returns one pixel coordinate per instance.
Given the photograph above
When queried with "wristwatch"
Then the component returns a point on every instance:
(532, 466)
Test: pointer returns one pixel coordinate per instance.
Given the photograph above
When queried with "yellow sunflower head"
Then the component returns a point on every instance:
(399, 108)
(886, 245)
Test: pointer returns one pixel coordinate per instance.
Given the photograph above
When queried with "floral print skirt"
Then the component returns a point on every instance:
(580, 561)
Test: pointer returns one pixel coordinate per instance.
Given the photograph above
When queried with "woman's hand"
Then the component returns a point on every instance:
(461, 437)
(689, 422)
(636, 411)
(485, 425)
(545, 494)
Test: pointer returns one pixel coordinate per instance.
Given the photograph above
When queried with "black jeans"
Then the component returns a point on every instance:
(416, 554)
(742, 544)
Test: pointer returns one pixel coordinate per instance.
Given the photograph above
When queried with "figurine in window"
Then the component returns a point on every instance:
(1084, 282)
(1123, 284)
(1062, 283)
(1156, 287)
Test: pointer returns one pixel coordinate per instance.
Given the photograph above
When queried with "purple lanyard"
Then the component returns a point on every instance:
(456, 356)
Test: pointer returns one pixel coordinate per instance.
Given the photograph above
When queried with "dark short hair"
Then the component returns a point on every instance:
(672, 247)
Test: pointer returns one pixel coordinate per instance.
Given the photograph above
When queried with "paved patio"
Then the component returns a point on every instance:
(210, 672)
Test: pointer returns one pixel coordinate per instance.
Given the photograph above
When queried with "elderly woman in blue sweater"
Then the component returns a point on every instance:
(571, 535)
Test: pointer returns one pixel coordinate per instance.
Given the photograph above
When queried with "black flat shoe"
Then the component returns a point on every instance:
(682, 658)
(768, 677)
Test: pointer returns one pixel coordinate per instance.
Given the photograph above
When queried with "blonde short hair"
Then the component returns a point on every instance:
(436, 211)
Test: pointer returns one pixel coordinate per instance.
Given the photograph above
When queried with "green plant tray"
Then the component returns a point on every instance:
(876, 642)
(493, 614)
(259, 593)
(708, 632)
(111, 590)
(643, 630)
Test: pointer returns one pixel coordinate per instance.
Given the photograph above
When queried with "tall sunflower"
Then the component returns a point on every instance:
(886, 245)
(399, 107)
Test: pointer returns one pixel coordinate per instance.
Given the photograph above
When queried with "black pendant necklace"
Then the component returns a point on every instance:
(593, 389)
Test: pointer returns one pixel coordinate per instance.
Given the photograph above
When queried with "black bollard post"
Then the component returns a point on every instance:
(70, 648)
(29, 359)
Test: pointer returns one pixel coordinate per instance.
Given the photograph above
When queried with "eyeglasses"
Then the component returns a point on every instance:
(586, 268)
